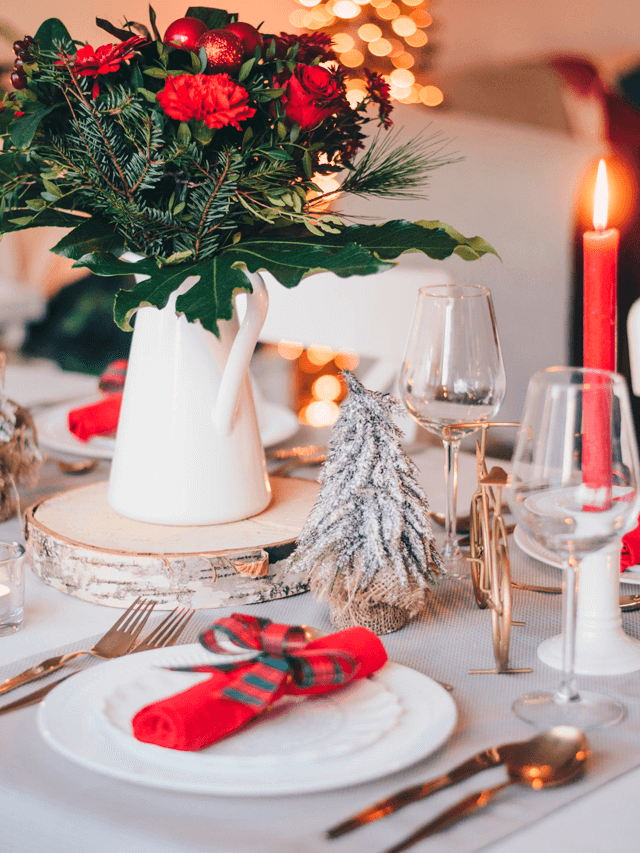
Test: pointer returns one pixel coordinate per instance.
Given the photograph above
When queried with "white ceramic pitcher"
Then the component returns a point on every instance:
(188, 448)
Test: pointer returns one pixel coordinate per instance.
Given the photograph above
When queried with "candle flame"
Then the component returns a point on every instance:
(601, 198)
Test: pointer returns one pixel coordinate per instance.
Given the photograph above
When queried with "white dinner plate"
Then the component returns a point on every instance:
(276, 424)
(538, 552)
(75, 720)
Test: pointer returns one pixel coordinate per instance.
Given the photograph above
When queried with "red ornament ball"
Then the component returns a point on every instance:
(184, 33)
(248, 35)
(223, 49)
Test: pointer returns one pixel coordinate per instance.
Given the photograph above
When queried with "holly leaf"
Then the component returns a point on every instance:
(211, 298)
(92, 236)
(114, 31)
(215, 19)
(52, 34)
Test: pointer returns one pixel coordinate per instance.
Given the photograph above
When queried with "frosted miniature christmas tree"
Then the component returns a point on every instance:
(368, 545)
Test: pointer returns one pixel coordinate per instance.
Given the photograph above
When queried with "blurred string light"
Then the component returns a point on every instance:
(382, 35)
(319, 386)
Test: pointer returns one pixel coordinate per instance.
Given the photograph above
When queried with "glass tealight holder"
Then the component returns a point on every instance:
(11, 587)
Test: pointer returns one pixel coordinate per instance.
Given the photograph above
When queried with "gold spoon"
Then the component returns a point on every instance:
(554, 757)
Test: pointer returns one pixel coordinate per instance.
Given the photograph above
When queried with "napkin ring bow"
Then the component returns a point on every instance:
(283, 657)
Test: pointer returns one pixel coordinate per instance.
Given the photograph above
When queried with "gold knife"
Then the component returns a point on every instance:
(482, 761)
(32, 698)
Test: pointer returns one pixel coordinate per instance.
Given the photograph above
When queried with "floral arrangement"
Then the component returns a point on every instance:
(198, 150)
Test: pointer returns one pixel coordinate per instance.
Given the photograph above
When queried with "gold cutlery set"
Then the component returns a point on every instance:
(120, 639)
(552, 758)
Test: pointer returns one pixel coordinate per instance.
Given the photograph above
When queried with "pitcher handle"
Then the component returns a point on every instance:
(239, 358)
(633, 335)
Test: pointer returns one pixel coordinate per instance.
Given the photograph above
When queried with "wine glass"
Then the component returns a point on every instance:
(574, 489)
(453, 373)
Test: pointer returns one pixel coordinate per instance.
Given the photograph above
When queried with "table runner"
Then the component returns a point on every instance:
(452, 636)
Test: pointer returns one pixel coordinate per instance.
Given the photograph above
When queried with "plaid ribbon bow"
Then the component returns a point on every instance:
(283, 656)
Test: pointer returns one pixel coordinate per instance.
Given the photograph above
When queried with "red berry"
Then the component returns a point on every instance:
(17, 65)
(19, 80)
(18, 46)
(223, 49)
(248, 35)
(184, 33)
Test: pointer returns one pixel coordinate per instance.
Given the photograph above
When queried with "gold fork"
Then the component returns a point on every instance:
(166, 633)
(118, 640)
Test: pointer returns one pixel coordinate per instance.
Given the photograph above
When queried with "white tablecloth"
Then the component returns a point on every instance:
(38, 815)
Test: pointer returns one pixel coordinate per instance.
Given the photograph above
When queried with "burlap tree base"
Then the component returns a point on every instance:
(380, 618)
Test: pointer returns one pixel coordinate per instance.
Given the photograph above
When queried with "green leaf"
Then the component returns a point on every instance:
(306, 164)
(290, 254)
(160, 73)
(52, 33)
(149, 96)
(154, 26)
(184, 133)
(48, 217)
(245, 69)
(215, 19)
(202, 56)
(24, 128)
(247, 137)
(94, 235)
(211, 298)
(51, 188)
(202, 133)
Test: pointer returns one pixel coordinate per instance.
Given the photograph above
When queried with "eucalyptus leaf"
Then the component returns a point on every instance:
(92, 236)
(215, 19)
(53, 33)
(159, 73)
(23, 129)
(46, 218)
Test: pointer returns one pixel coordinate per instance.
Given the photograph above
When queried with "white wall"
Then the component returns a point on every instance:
(470, 31)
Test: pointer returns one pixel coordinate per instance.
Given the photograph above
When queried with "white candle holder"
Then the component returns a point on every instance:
(602, 647)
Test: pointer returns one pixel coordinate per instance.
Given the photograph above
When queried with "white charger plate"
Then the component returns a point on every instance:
(72, 721)
(533, 549)
(276, 424)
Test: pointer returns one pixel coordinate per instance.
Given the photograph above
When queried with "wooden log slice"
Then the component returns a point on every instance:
(79, 545)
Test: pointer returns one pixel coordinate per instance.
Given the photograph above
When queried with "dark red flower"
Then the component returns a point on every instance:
(380, 93)
(313, 93)
(311, 46)
(105, 60)
(214, 99)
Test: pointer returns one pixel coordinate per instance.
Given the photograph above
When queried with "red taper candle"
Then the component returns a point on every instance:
(600, 341)
(600, 283)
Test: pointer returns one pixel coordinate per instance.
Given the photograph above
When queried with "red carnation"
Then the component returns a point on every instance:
(105, 60)
(380, 93)
(313, 94)
(216, 100)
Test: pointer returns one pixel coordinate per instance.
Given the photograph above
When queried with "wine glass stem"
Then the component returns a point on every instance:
(451, 548)
(568, 689)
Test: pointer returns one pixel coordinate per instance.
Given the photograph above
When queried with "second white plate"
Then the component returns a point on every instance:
(276, 423)
(71, 721)
(538, 552)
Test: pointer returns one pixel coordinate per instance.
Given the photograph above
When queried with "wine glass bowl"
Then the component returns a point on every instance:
(574, 489)
(452, 373)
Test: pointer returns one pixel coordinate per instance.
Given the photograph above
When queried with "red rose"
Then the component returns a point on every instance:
(313, 94)
(216, 100)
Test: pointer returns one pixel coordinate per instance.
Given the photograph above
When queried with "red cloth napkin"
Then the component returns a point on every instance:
(201, 715)
(630, 553)
(98, 418)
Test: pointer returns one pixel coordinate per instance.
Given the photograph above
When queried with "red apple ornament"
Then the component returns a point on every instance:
(185, 33)
(248, 35)
(223, 49)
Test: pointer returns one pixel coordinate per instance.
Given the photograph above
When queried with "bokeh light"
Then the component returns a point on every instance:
(290, 350)
(342, 42)
(346, 9)
(418, 39)
(431, 96)
(388, 13)
(320, 355)
(352, 58)
(380, 47)
(404, 26)
(369, 32)
(320, 413)
(327, 387)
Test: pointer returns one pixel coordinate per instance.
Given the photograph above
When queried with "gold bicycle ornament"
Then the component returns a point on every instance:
(489, 557)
